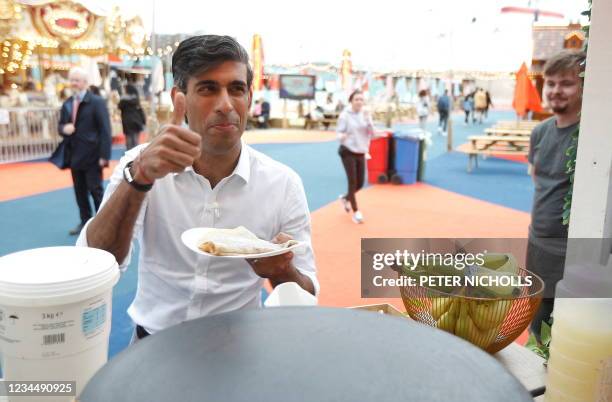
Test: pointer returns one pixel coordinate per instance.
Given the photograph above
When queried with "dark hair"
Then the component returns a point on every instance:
(198, 54)
(355, 92)
(565, 60)
(422, 93)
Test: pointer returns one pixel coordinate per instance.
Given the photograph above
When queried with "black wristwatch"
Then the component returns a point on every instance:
(127, 175)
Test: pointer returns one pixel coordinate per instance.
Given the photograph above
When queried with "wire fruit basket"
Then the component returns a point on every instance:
(490, 323)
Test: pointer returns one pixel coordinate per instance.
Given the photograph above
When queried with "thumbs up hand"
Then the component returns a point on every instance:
(171, 151)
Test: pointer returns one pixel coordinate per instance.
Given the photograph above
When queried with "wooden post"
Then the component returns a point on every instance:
(285, 122)
(449, 137)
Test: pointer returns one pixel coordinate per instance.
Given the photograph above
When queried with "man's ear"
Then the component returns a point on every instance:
(250, 97)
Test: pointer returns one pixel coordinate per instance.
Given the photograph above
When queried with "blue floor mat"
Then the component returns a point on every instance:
(496, 180)
(319, 166)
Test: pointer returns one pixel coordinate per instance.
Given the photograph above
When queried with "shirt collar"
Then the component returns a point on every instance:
(242, 169)
(80, 95)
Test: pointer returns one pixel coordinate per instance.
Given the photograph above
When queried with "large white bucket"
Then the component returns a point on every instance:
(55, 315)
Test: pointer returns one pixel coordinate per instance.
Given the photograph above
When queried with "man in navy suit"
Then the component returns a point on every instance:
(85, 121)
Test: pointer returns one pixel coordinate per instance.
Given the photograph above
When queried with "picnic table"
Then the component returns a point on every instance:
(517, 124)
(329, 119)
(488, 145)
(508, 131)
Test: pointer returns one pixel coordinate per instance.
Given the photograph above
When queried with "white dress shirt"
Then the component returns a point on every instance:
(174, 283)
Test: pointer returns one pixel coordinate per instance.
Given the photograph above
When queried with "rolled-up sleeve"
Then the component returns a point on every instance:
(114, 181)
(296, 222)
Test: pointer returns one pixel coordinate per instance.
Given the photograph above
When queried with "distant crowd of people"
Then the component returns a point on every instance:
(476, 106)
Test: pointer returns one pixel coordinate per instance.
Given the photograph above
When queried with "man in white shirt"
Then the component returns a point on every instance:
(202, 176)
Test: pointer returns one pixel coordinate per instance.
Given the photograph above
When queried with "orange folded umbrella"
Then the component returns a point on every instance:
(526, 96)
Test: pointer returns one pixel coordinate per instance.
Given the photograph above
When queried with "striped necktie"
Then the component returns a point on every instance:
(75, 108)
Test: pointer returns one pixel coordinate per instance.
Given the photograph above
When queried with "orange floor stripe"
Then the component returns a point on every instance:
(418, 210)
(31, 178)
(26, 179)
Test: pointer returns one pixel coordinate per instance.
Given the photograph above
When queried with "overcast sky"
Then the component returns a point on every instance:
(381, 34)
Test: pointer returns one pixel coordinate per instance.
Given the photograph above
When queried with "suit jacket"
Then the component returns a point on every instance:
(92, 136)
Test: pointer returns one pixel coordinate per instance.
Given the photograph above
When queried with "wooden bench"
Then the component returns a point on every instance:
(488, 145)
(501, 131)
(312, 124)
(517, 124)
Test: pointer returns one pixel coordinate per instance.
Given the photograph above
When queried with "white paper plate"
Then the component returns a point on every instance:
(192, 238)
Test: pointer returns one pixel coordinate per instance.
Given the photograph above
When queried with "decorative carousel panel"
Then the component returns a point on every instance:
(63, 20)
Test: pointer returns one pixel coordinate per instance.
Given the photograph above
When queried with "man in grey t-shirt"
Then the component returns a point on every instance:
(547, 162)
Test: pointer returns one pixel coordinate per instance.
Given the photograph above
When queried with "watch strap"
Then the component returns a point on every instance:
(127, 175)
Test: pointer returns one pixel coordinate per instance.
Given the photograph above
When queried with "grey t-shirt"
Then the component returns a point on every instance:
(548, 145)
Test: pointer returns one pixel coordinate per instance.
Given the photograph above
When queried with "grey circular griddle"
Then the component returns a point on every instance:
(303, 354)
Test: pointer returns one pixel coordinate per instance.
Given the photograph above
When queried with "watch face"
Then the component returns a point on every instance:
(127, 173)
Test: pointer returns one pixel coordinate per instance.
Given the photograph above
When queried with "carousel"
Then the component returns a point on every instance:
(41, 41)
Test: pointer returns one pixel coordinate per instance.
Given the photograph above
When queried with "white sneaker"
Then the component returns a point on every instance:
(444, 133)
(358, 217)
(345, 203)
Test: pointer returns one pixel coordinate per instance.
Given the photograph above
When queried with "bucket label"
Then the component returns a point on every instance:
(54, 331)
(94, 317)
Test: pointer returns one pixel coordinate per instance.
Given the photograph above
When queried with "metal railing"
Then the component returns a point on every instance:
(31, 133)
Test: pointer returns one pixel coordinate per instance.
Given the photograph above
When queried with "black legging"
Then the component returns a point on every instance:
(550, 268)
(131, 140)
(354, 165)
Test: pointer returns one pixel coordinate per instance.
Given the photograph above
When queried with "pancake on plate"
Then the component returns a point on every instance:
(237, 241)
